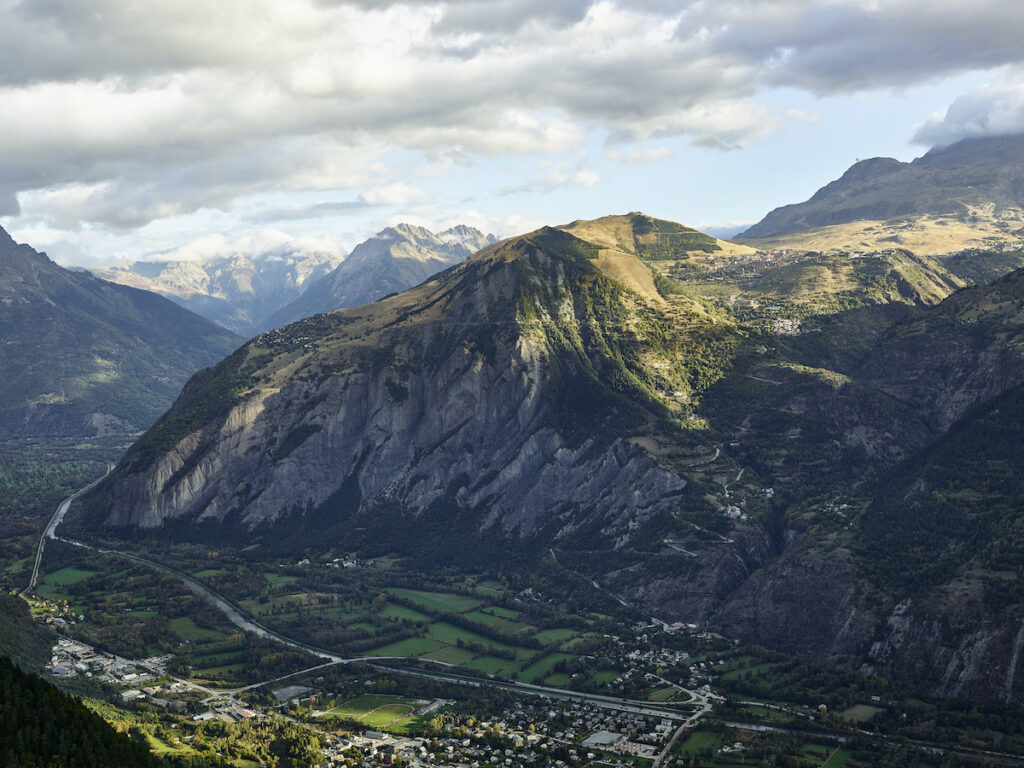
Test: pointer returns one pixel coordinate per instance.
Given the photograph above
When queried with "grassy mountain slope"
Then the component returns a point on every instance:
(82, 356)
(969, 194)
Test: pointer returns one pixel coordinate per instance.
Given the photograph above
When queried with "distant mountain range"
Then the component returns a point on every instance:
(82, 356)
(238, 292)
(393, 260)
(250, 293)
(966, 195)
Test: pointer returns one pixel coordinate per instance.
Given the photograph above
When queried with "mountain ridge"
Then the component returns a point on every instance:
(82, 356)
(394, 259)
(968, 194)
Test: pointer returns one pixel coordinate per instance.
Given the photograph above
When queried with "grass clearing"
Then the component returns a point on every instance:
(498, 622)
(700, 740)
(277, 579)
(492, 665)
(411, 646)
(436, 601)
(859, 713)
(450, 635)
(604, 677)
(399, 612)
(541, 668)
(449, 655)
(379, 712)
(663, 695)
(185, 628)
(67, 576)
(209, 573)
(839, 759)
(386, 715)
(548, 636)
(504, 613)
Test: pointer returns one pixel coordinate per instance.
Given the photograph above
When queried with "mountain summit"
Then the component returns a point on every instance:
(968, 194)
(393, 260)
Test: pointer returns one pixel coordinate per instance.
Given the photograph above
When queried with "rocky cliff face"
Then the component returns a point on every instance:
(452, 397)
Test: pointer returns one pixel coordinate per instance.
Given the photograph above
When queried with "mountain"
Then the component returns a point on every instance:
(716, 435)
(393, 260)
(238, 292)
(966, 195)
(81, 356)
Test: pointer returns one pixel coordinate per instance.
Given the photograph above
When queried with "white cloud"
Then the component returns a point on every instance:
(635, 156)
(264, 244)
(119, 113)
(397, 194)
(994, 109)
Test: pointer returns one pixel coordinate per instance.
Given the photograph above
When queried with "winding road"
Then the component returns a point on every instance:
(51, 527)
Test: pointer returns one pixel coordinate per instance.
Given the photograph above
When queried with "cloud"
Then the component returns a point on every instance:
(119, 114)
(636, 156)
(995, 109)
(397, 194)
(265, 244)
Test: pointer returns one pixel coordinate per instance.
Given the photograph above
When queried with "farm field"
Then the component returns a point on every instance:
(436, 601)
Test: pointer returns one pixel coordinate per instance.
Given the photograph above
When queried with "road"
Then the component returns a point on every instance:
(604, 702)
(51, 527)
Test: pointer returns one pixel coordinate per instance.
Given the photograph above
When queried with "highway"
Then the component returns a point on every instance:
(51, 527)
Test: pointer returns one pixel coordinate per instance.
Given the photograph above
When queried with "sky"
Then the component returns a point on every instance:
(185, 128)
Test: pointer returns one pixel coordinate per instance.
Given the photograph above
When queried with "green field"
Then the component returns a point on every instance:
(503, 624)
(492, 665)
(436, 601)
(378, 711)
(604, 677)
(399, 612)
(386, 715)
(209, 573)
(839, 759)
(537, 671)
(554, 636)
(700, 740)
(449, 655)
(491, 588)
(67, 576)
(663, 694)
(277, 579)
(411, 646)
(186, 629)
(450, 635)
